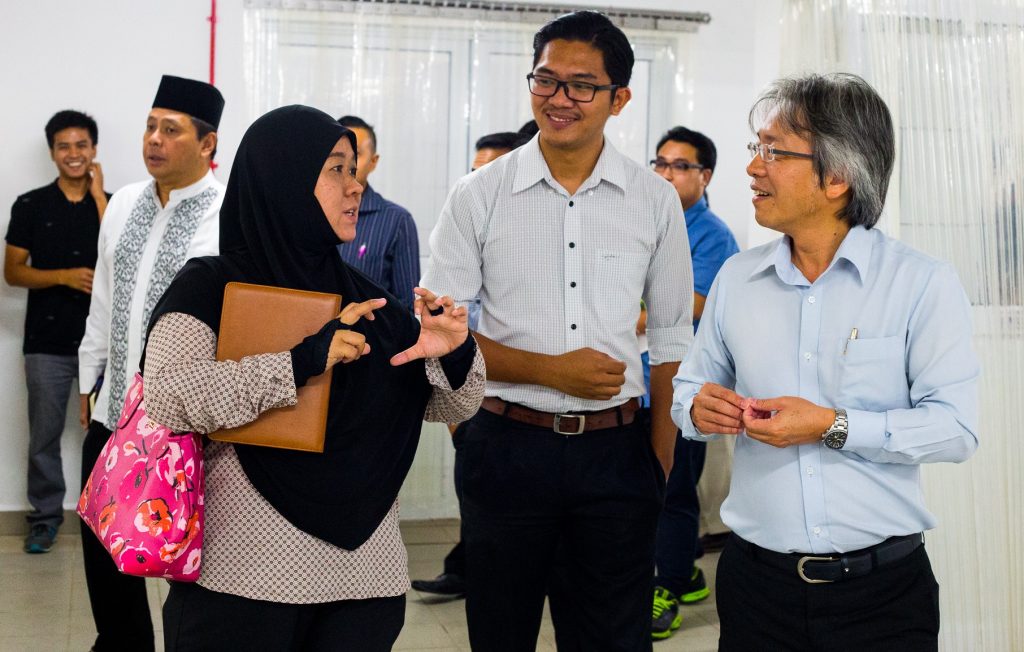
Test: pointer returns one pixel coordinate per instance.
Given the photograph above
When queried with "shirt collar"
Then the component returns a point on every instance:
(855, 249)
(532, 168)
(179, 194)
(693, 212)
(371, 201)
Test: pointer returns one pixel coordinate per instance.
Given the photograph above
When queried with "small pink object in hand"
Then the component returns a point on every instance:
(750, 412)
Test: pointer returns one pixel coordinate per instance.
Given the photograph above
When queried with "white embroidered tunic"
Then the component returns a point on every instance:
(141, 247)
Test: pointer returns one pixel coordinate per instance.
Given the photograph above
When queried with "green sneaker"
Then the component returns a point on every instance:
(697, 590)
(665, 617)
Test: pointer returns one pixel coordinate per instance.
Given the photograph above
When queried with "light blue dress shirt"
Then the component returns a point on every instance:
(908, 382)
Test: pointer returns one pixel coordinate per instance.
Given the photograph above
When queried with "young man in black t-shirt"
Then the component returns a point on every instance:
(51, 250)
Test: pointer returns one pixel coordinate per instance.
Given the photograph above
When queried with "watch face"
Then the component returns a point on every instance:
(835, 439)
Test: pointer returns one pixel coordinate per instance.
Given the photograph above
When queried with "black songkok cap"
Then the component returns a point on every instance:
(196, 98)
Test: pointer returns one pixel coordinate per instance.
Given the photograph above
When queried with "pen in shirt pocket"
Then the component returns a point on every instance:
(853, 336)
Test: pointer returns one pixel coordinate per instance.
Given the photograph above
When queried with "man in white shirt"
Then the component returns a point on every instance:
(561, 239)
(149, 230)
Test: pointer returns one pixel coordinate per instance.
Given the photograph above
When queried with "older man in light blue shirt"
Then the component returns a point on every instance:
(841, 359)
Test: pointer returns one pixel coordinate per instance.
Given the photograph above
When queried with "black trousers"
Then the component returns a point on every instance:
(679, 525)
(570, 517)
(197, 620)
(455, 560)
(120, 607)
(761, 607)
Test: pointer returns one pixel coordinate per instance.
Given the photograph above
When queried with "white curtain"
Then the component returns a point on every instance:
(952, 73)
(432, 85)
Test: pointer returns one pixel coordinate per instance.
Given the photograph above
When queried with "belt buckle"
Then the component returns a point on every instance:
(800, 569)
(558, 423)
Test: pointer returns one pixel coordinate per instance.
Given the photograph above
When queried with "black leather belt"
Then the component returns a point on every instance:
(835, 567)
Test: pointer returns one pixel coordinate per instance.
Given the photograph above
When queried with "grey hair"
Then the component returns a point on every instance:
(850, 130)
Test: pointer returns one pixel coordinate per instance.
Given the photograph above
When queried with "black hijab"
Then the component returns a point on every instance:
(273, 231)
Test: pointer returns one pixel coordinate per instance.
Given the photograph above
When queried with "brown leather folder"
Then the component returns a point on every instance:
(263, 319)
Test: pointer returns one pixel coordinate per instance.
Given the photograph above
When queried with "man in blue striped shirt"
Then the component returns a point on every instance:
(841, 361)
(386, 247)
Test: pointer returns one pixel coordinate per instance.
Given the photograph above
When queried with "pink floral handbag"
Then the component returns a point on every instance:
(144, 497)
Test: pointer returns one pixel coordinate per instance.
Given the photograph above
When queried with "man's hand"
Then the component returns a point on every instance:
(641, 323)
(83, 414)
(77, 278)
(96, 189)
(717, 410)
(96, 180)
(589, 374)
(786, 421)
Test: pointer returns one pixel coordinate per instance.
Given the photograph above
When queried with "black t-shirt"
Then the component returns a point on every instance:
(59, 234)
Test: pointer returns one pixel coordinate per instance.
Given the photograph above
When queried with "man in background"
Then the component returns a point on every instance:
(51, 250)
(687, 159)
(387, 246)
(150, 229)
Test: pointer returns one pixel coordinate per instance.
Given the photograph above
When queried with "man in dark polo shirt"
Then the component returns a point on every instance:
(51, 250)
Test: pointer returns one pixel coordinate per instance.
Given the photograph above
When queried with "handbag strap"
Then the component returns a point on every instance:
(129, 413)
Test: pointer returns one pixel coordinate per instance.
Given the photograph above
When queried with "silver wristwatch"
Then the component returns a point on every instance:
(835, 436)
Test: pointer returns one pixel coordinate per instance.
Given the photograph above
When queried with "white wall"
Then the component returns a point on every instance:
(106, 57)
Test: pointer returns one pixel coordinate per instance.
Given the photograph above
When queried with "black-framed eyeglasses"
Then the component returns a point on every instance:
(767, 152)
(659, 165)
(576, 91)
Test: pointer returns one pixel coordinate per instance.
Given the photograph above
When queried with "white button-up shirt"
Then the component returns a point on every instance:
(557, 272)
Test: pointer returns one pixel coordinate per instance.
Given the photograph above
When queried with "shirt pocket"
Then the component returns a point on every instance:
(619, 286)
(873, 374)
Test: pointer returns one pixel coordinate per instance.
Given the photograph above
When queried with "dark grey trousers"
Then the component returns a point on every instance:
(50, 379)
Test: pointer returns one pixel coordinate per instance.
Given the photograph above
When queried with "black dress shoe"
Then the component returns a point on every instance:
(446, 584)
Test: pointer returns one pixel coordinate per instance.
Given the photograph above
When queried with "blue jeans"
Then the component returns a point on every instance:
(49, 379)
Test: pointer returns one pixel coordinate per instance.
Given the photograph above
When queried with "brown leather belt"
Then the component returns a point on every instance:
(565, 424)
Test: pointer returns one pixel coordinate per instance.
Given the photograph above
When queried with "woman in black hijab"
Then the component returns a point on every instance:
(302, 550)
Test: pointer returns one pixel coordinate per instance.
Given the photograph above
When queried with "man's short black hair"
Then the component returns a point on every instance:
(202, 128)
(529, 129)
(62, 120)
(594, 28)
(355, 121)
(502, 140)
(707, 155)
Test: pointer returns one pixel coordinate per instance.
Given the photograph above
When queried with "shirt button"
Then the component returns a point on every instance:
(572, 284)
(590, 193)
(572, 245)
(811, 299)
(817, 531)
(807, 356)
(810, 470)
(571, 204)
(573, 326)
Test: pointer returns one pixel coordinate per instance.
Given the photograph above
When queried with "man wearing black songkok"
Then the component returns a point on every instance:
(149, 230)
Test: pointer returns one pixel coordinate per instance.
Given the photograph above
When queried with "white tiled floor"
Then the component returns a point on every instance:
(44, 606)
